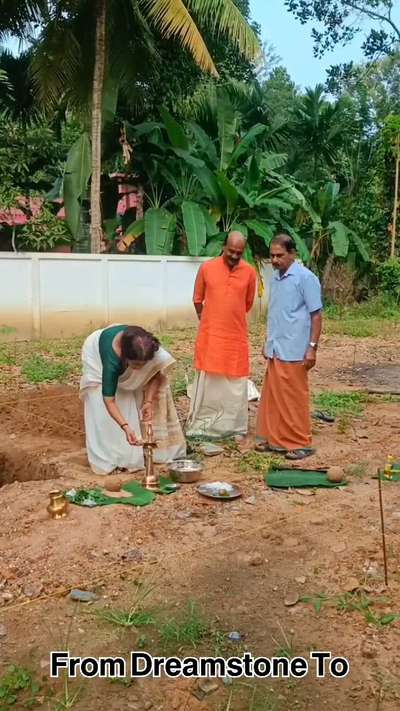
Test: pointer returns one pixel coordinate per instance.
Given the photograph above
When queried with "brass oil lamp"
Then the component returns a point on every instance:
(151, 477)
(58, 506)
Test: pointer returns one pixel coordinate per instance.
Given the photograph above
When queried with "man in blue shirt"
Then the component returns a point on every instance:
(294, 329)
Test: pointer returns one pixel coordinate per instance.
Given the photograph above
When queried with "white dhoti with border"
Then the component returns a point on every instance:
(106, 444)
(218, 407)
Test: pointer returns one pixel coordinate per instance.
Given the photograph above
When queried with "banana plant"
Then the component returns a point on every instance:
(212, 186)
(330, 238)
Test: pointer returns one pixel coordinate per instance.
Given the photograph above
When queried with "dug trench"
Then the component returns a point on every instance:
(41, 429)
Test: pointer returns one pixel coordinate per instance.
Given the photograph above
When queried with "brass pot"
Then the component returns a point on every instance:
(58, 506)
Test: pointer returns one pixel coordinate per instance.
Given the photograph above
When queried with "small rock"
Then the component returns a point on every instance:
(7, 597)
(105, 552)
(227, 680)
(211, 450)
(3, 631)
(32, 590)
(234, 636)
(301, 579)
(83, 596)
(208, 686)
(256, 559)
(250, 500)
(148, 705)
(134, 707)
(396, 515)
(135, 555)
(44, 663)
(13, 436)
(291, 599)
(266, 534)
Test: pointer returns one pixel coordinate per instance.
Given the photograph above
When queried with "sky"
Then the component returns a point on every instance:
(293, 43)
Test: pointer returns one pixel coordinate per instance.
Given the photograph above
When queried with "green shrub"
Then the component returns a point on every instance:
(389, 278)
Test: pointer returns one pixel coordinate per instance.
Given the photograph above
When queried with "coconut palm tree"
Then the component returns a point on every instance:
(121, 52)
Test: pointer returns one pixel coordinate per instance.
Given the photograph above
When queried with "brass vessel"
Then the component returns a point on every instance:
(58, 506)
(151, 477)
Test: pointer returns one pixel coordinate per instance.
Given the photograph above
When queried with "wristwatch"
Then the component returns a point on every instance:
(313, 345)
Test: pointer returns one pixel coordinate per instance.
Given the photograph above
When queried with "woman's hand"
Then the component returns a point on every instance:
(131, 437)
(146, 412)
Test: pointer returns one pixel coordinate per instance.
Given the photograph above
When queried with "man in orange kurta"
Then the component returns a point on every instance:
(223, 295)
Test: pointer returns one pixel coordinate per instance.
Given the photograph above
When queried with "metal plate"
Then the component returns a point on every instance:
(235, 494)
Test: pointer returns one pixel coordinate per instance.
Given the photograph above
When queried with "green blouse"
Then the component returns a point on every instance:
(112, 364)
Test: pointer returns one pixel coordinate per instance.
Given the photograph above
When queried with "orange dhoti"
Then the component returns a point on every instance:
(283, 418)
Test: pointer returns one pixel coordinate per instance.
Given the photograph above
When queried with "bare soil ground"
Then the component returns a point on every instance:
(238, 561)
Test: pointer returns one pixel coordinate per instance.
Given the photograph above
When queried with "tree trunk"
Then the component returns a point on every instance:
(396, 194)
(96, 231)
(327, 271)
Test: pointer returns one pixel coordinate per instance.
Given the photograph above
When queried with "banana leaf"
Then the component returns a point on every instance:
(340, 238)
(204, 142)
(159, 230)
(195, 227)
(227, 122)
(78, 170)
(261, 229)
(176, 133)
(246, 141)
(214, 246)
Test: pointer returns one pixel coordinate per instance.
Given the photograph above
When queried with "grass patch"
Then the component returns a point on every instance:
(341, 403)
(371, 318)
(18, 690)
(135, 616)
(356, 601)
(254, 696)
(126, 618)
(187, 631)
(256, 462)
(66, 699)
(7, 355)
(38, 369)
(182, 375)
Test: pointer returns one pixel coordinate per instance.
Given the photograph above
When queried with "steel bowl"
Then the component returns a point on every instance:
(185, 471)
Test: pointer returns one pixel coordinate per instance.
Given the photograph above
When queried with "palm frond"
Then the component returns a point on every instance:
(17, 18)
(172, 19)
(56, 62)
(226, 18)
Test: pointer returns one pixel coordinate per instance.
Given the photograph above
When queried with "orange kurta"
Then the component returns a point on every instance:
(227, 295)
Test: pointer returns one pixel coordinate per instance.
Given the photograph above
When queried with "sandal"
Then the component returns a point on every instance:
(300, 453)
(265, 447)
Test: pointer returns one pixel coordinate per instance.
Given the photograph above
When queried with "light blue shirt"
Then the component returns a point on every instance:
(294, 296)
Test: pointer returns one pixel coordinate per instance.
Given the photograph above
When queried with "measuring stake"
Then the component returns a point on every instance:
(382, 527)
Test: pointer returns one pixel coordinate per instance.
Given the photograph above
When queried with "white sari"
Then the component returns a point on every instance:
(106, 444)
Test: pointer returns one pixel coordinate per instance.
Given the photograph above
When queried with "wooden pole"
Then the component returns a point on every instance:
(382, 527)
